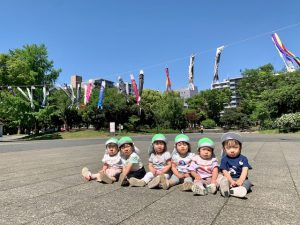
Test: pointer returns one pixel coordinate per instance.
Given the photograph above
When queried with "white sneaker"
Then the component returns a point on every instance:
(211, 188)
(123, 180)
(186, 186)
(199, 190)
(154, 182)
(134, 182)
(105, 178)
(86, 173)
(224, 187)
(239, 192)
(165, 184)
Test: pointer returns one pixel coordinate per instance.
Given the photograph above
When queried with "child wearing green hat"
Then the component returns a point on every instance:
(133, 166)
(159, 163)
(205, 168)
(112, 164)
(181, 158)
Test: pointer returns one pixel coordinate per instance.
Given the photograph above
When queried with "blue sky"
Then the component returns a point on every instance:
(105, 39)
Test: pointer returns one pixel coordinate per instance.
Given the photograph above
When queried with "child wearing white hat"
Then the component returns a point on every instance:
(112, 164)
(181, 159)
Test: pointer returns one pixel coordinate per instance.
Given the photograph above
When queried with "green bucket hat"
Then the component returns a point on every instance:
(111, 141)
(206, 142)
(182, 137)
(125, 140)
(159, 137)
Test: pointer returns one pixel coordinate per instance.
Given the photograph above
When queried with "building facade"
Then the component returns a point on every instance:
(231, 84)
(76, 80)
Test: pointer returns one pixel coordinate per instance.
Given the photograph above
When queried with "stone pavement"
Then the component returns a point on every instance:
(40, 183)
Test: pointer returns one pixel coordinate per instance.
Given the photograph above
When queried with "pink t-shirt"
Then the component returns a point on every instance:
(203, 167)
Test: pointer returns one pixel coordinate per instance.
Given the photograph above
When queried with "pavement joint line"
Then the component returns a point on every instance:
(295, 186)
(259, 150)
(267, 209)
(143, 208)
(219, 212)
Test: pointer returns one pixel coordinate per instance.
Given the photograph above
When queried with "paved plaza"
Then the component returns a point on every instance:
(40, 183)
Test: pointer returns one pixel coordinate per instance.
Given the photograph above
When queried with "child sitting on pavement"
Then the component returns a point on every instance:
(133, 166)
(159, 164)
(181, 158)
(234, 166)
(205, 168)
(112, 164)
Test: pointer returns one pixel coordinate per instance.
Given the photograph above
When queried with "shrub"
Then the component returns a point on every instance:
(288, 122)
(208, 123)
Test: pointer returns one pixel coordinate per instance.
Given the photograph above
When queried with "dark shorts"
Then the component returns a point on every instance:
(139, 174)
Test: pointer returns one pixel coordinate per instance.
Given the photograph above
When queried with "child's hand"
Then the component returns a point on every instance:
(158, 172)
(154, 171)
(186, 175)
(233, 183)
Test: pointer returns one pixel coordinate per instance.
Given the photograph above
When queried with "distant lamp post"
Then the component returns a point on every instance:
(1, 129)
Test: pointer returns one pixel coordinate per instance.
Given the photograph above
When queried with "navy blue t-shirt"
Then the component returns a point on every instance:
(234, 165)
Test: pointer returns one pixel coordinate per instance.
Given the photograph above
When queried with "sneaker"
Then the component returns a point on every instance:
(164, 183)
(239, 192)
(211, 188)
(105, 178)
(154, 182)
(134, 182)
(123, 180)
(86, 174)
(224, 187)
(199, 190)
(186, 186)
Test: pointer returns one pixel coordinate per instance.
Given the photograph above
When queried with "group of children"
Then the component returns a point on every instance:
(199, 173)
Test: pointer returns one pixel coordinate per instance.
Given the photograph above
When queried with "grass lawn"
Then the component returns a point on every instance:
(83, 133)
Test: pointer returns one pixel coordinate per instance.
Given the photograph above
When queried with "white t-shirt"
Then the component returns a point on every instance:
(159, 161)
(113, 161)
(182, 163)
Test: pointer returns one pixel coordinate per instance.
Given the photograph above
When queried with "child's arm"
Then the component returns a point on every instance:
(151, 168)
(166, 168)
(104, 168)
(175, 171)
(127, 168)
(215, 174)
(229, 178)
(196, 175)
(243, 176)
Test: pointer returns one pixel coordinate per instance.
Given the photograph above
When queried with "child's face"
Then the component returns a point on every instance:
(159, 147)
(232, 148)
(112, 149)
(127, 150)
(205, 152)
(182, 147)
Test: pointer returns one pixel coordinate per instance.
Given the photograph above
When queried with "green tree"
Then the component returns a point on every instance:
(25, 67)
